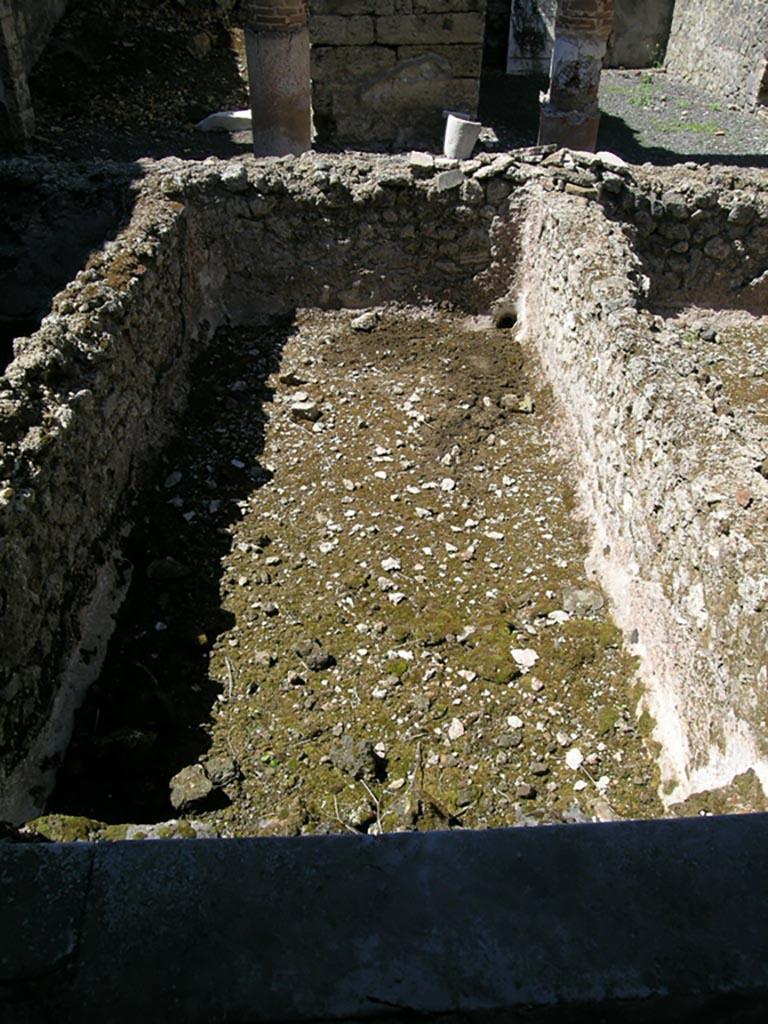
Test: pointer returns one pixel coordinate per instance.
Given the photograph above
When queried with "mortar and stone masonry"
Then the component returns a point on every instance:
(91, 397)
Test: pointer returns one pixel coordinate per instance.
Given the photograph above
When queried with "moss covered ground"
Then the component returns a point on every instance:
(359, 585)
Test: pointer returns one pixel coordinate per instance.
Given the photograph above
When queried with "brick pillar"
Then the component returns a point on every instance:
(277, 48)
(17, 118)
(570, 115)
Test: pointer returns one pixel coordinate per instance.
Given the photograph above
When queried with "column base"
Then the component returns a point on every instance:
(569, 129)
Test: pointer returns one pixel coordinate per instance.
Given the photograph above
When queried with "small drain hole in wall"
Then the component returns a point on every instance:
(504, 315)
(506, 322)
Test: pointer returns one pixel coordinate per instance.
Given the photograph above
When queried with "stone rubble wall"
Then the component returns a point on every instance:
(82, 407)
(722, 46)
(91, 397)
(685, 563)
(383, 71)
(702, 234)
(345, 232)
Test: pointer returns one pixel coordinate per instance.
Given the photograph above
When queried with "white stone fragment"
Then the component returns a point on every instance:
(365, 322)
(525, 657)
(226, 121)
(391, 565)
(421, 161)
(574, 759)
(558, 617)
(514, 722)
(449, 179)
(608, 159)
(235, 178)
(305, 411)
(455, 729)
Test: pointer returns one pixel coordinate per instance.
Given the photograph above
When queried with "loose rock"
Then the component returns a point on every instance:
(190, 788)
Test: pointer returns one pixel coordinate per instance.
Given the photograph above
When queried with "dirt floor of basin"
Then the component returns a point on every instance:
(359, 600)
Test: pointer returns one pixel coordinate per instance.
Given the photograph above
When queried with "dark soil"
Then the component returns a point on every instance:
(125, 79)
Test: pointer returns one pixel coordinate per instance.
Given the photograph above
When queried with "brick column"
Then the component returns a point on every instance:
(277, 48)
(17, 118)
(570, 115)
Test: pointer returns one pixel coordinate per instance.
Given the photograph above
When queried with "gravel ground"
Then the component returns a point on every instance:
(648, 116)
(359, 601)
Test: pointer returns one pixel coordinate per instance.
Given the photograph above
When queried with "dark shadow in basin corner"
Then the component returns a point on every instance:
(149, 714)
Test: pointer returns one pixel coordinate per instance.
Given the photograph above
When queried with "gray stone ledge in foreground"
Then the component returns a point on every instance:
(630, 921)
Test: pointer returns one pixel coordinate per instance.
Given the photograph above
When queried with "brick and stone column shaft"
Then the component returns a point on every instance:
(277, 48)
(570, 115)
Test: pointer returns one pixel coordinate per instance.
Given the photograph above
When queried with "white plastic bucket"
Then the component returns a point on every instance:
(461, 134)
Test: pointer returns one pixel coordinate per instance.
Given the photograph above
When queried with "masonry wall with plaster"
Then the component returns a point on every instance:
(383, 73)
(722, 47)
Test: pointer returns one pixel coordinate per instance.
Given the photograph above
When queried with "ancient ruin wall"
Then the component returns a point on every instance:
(640, 33)
(383, 72)
(91, 396)
(702, 235)
(638, 39)
(344, 232)
(722, 46)
(83, 405)
(683, 559)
